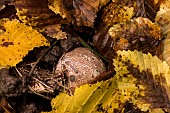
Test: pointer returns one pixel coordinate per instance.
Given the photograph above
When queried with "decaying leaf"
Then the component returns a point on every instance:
(77, 12)
(163, 20)
(115, 13)
(166, 48)
(137, 34)
(149, 74)
(3, 2)
(2, 7)
(142, 8)
(16, 39)
(37, 14)
(55, 31)
(162, 17)
(141, 79)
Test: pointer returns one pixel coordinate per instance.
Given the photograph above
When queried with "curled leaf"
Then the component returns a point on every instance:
(16, 40)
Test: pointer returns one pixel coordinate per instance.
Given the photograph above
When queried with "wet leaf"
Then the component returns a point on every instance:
(16, 40)
(77, 12)
(141, 79)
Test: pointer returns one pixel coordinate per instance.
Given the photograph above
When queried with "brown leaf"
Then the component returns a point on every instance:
(8, 12)
(55, 32)
(138, 34)
(3, 2)
(37, 14)
(147, 8)
(142, 8)
(77, 12)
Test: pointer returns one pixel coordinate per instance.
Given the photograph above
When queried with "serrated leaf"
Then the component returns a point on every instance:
(137, 34)
(141, 79)
(149, 74)
(16, 40)
(37, 14)
(163, 16)
(163, 20)
(85, 99)
(115, 13)
(77, 12)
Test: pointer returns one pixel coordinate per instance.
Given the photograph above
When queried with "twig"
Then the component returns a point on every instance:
(46, 86)
(18, 72)
(34, 92)
(38, 60)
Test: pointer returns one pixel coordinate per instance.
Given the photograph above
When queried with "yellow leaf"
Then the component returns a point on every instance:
(86, 99)
(166, 48)
(141, 79)
(163, 16)
(16, 40)
(150, 76)
(37, 14)
(115, 13)
(163, 20)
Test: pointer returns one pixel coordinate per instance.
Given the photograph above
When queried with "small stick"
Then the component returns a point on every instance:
(38, 60)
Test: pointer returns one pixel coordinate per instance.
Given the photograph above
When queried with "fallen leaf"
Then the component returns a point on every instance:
(39, 16)
(55, 32)
(137, 34)
(163, 20)
(141, 79)
(115, 13)
(16, 40)
(166, 48)
(3, 3)
(151, 77)
(162, 17)
(35, 13)
(77, 12)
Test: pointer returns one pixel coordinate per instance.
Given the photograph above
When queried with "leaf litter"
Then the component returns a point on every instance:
(139, 76)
